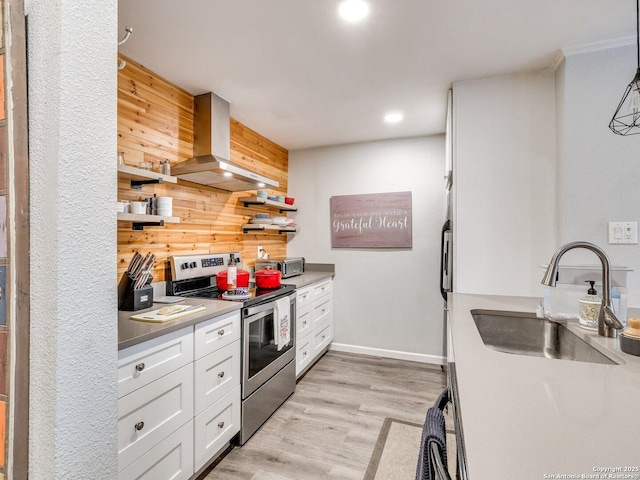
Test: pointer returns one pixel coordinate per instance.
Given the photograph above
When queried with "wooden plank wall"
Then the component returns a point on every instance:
(155, 121)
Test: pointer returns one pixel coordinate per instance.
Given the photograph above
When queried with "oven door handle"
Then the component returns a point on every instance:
(250, 311)
(252, 318)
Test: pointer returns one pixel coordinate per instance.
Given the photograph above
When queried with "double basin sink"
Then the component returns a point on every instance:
(525, 334)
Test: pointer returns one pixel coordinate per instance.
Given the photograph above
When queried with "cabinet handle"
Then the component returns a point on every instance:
(139, 426)
(221, 332)
(140, 367)
(221, 424)
(324, 336)
(322, 311)
(221, 374)
(304, 323)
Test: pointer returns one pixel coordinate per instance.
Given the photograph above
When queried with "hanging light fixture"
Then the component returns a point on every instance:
(626, 120)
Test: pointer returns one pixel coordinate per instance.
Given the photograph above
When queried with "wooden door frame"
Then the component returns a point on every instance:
(16, 70)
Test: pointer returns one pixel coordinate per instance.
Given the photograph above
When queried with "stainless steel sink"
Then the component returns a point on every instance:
(525, 334)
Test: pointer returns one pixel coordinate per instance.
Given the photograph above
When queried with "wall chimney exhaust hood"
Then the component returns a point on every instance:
(210, 164)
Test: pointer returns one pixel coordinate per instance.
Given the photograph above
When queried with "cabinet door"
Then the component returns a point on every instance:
(304, 350)
(216, 426)
(322, 310)
(303, 321)
(216, 375)
(303, 296)
(171, 459)
(216, 333)
(149, 414)
(143, 363)
(321, 289)
(322, 337)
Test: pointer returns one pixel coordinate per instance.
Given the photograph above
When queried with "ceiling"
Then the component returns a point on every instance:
(299, 75)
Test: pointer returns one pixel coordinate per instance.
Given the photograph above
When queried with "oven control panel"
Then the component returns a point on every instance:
(184, 267)
(212, 262)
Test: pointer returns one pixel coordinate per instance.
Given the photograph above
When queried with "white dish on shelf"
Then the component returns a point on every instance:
(261, 221)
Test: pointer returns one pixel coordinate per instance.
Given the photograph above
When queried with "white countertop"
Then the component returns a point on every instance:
(527, 417)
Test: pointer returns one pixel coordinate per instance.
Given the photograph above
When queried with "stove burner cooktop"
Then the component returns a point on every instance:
(257, 294)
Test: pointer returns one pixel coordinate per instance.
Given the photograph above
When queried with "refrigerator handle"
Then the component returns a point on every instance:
(443, 260)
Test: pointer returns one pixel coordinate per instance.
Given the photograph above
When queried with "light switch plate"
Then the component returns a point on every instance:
(623, 233)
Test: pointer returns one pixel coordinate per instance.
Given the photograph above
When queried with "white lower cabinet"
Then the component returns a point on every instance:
(172, 458)
(214, 427)
(216, 375)
(179, 400)
(151, 413)
(314, 323)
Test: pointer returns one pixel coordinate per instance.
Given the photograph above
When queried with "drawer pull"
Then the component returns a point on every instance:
(140, 367)
(139, 426)
(304, 323)
(221, 374)
(220, 332)
(221, 425)
(324, 336)
(322, 311)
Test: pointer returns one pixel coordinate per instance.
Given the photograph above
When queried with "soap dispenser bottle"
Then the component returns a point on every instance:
(590, 308)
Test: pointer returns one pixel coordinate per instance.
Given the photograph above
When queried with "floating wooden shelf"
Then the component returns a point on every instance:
(139, 221)
(140, 176)
(256, 227)
(283, 207)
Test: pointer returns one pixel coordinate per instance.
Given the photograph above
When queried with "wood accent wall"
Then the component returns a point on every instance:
(155, 121)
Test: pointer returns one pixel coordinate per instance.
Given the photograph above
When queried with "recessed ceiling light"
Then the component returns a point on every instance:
(353, 10)
(393, 117)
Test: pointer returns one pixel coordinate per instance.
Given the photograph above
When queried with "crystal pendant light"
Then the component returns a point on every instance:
(626, 120)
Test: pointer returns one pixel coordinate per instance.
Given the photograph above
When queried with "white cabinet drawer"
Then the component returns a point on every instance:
(216, 333)
(303, 321)
(143, 363)
(171, 459)
(148, 415)
(216, 375)
(322, 310)
(303, 296)
(321, 289)
(215, 427)
(322, 337)
(304, 352)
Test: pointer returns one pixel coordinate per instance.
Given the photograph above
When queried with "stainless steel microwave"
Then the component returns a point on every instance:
(290, 267)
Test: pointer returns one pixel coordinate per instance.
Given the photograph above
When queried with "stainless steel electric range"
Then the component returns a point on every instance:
(268, 374)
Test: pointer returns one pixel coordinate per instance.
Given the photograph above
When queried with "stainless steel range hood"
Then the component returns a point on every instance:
(212, 149)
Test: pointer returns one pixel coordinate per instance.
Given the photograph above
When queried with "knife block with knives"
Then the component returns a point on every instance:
(130, 298)
(134, 290)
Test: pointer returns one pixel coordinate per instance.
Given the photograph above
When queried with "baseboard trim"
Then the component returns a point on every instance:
(381, 352)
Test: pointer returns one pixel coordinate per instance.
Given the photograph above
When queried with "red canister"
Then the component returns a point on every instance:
(268, 278)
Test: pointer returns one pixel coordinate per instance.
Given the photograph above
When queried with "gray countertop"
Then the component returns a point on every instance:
(527, 417)
(307, 278)
(132, 332)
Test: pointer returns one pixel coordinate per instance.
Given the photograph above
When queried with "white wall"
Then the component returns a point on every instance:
(598, 171)
(72, 147)
(385, 299)
(504, 183)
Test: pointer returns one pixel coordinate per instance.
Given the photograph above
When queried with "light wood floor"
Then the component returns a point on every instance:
(329, 427)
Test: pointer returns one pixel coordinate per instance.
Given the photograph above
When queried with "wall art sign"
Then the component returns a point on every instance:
(377, 220)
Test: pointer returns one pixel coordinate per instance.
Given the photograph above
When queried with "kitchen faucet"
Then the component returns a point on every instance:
(608, 323)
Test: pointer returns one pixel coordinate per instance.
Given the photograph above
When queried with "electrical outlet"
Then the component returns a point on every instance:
(259, 251)
(623, 233)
